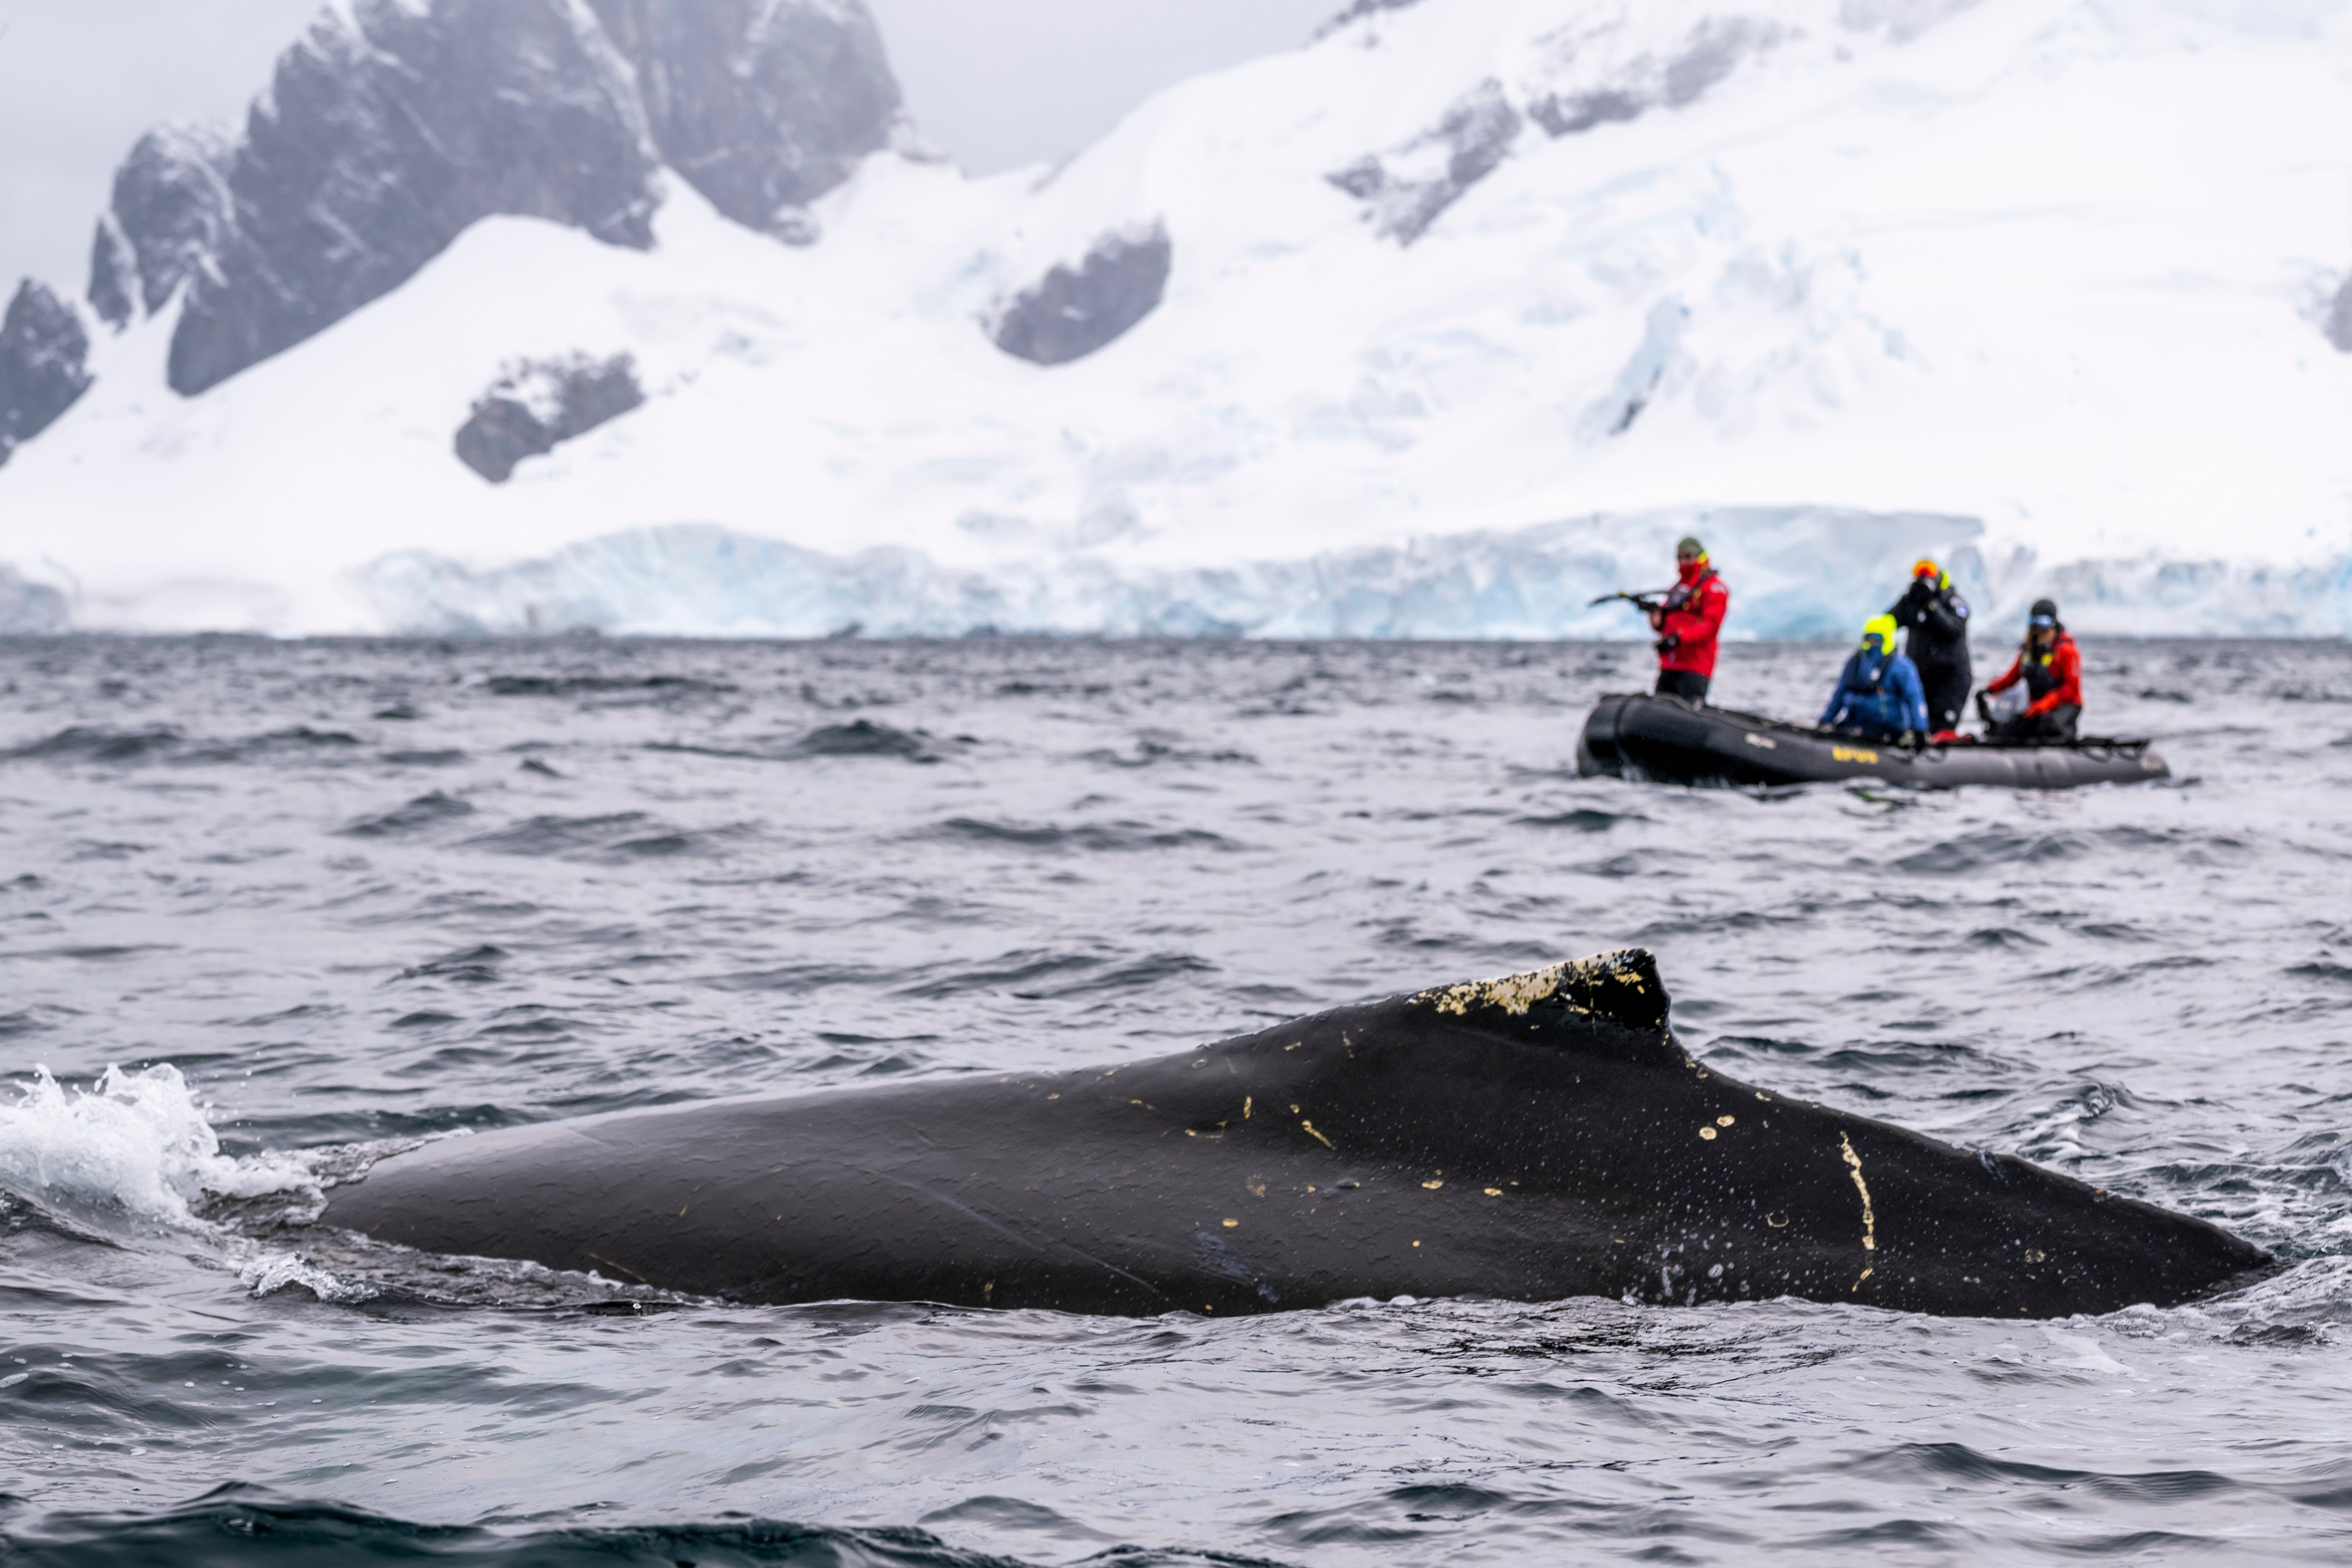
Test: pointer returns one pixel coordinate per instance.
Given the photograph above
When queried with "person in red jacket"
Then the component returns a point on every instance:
(2051, 667)
(1688, 623)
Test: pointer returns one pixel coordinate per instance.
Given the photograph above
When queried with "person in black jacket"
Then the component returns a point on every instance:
(1938, 620)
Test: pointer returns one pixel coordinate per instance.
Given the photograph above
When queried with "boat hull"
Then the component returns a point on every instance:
(1666, 740)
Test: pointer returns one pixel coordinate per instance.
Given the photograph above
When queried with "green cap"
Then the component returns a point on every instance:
(1689, 545)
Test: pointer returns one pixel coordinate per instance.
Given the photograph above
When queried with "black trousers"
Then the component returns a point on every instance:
(2057, 725)
(1946, 693)
(1683, 683)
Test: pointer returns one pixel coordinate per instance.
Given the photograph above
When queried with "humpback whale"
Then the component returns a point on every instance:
(1531, 1137)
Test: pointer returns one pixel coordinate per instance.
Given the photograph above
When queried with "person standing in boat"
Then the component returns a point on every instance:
(1938, 645)
(1878, 694)
(2051, 667)
(1689, 622)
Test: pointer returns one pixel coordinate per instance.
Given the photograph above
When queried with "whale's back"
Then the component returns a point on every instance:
(1534, 1137)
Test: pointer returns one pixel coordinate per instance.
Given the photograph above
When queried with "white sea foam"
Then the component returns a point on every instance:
(271, 1272)
(140, 1140)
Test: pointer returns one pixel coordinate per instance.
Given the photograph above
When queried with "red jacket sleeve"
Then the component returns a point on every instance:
(2066, 675)
(1699, 621)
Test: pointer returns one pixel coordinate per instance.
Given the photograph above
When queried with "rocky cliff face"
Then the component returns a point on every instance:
(387, 132)
(396, 124)
(1072, 312)
(173, 193)
(1361, 9)
(1626, 89)
(762, 105)
(1585, 76)
(1404, 191)
(44, 364)
(540, 404)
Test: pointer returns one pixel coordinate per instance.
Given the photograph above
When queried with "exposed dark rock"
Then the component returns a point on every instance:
(762, 105)
(1359, 10)
(1714, 48)
(44, 364)
(30, 609)
(1067, 314)
(395, 125)
(386, 135)
(2339, 319)
(173, 193)
(1404, 191)
(541, 403)
(1566, 116)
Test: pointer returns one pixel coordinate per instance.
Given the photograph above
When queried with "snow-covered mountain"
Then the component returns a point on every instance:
(516, 315)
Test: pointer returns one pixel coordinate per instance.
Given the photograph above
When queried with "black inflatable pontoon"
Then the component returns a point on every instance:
(1665, 739)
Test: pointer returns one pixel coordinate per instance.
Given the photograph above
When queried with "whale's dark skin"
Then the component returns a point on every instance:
(1530, 1139)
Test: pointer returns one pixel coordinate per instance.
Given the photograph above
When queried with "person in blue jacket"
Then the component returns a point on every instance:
(1879, 694)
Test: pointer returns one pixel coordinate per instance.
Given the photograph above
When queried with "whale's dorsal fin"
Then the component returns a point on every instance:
(1620, 988)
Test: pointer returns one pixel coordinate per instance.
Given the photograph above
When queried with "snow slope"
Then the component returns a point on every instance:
(2041, 284)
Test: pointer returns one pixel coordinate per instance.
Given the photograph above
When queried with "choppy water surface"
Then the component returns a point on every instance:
(352, 893)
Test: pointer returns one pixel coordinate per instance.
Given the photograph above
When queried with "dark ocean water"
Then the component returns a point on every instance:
(320, 895)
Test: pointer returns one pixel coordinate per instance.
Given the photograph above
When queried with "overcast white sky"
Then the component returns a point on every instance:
(996, 82)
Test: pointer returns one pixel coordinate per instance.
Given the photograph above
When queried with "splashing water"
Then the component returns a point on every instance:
(268, 1273)
(139, 1140)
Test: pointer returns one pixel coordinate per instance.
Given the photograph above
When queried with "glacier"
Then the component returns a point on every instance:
(1531, 583)
(1453, 319)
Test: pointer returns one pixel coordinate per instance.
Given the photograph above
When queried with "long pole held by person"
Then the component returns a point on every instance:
(1688, 619)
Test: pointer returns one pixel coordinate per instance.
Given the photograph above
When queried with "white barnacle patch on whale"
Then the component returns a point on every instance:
(1621, 987)
(1514, 994)
(1869, 1220)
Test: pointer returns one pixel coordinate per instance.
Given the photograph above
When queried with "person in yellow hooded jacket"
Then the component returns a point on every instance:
(1878, 695)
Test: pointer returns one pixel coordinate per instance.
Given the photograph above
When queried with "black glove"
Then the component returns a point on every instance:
(1668, 643)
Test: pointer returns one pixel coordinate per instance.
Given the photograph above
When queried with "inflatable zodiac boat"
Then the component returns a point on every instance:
(1665, 739)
